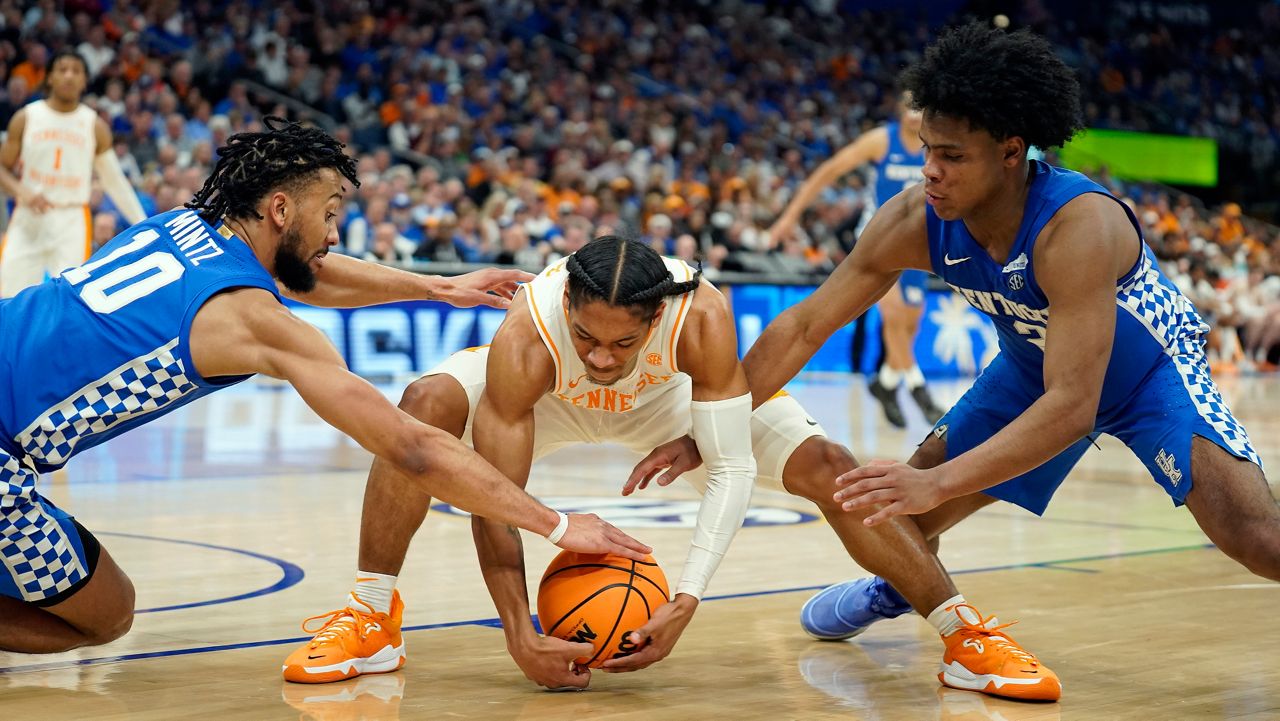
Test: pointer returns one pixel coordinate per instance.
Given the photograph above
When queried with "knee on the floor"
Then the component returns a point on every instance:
(110, 631)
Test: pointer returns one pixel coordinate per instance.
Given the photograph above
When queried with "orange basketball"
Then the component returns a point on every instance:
(599, 599)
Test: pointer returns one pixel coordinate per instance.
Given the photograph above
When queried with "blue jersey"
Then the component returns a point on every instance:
(899, 169)
(104, 347)
(1153, 319)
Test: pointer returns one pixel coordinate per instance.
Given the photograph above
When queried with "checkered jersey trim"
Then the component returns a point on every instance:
(1175, 324)
(144, 384)
(1166, 312)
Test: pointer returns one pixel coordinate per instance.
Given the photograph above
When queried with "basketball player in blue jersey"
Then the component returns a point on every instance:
(897, 156)
(1093, 339)
(182, 305)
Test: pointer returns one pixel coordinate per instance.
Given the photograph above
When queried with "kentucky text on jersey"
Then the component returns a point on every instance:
(899, 169)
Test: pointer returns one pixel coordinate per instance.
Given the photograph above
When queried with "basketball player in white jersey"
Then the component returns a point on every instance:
(57, 144)
(612, 344)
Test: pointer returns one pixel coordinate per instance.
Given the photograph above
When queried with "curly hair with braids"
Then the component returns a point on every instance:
(624, 273)
(285, 156)
(1010, 84)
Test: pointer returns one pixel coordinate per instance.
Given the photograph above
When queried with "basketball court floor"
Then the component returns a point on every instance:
(237, 517)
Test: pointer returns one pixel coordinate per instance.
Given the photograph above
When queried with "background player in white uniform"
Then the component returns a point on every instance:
(612, 344)
(59, 144)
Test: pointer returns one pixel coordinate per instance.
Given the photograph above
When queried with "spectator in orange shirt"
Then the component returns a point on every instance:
(1228, 228)
(33, 68)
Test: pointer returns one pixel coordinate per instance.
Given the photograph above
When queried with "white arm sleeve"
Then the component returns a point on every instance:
(117, 187)
(722, 430)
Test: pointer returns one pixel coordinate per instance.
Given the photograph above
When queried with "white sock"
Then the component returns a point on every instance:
(914, 378)
(889, 378)
(373, 589)
(947, 619)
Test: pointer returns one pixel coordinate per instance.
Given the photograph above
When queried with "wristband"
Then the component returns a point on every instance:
(558, 532)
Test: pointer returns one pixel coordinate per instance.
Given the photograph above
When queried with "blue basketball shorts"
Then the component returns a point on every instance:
(1175, 402)
(912, 286)
(46, 555)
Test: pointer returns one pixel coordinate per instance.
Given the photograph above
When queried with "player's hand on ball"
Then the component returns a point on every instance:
(549, 661)
(492, 287)
(678, 456)
(589, 533)
(898, 488)
(657, 637)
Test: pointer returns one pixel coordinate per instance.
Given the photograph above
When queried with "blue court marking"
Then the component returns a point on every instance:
(88, 476)
(291, 573)
(493, 622)
(1083, 522)
(1055, 567)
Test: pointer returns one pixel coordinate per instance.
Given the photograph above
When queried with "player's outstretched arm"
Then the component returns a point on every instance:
(246, 331)
(894, 239)
(520, 372)
(721, 429)
(869, 146)
(111, 175)
(346, 282)
(1089, 243)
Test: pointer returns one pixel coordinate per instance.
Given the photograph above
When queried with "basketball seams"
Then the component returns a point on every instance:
(597, 581)
(652, 582)
(622, 610)
(583, 602)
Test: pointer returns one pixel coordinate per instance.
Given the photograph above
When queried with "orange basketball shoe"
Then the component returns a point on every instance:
(982, 658)
(350, 642)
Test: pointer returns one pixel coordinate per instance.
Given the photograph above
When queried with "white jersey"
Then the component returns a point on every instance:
(58, 150)
(656, 363)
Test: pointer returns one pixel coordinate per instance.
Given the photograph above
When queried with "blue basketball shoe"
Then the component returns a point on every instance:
(847, 609)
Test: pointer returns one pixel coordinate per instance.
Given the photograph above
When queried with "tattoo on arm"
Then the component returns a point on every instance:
(519, 543)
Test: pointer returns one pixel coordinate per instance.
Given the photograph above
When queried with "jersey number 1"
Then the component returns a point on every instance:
(121, 286)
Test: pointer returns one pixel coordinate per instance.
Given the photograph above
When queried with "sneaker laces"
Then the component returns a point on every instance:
(336, 623)
(994, 634)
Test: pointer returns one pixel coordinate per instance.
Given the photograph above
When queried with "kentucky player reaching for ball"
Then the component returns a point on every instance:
(180, 306)
(612, 344)
(1093, 339)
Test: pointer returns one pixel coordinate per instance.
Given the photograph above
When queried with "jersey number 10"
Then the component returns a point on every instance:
(119, 287)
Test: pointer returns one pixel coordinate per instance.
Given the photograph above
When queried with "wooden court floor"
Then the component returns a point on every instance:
(237, 517)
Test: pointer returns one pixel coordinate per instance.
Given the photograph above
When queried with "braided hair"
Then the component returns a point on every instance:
(284, 156)
(624, 273)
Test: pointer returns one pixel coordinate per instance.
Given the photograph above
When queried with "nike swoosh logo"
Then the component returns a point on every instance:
(315, 657)
(949, 261)
(810, 421)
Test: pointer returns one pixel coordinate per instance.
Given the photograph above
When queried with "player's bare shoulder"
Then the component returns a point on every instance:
(236, 332)
(1091, 223)
(708, 325)
(517, 352)
(896, 236)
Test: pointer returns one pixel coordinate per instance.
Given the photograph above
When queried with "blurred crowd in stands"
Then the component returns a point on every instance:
(513, 131)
